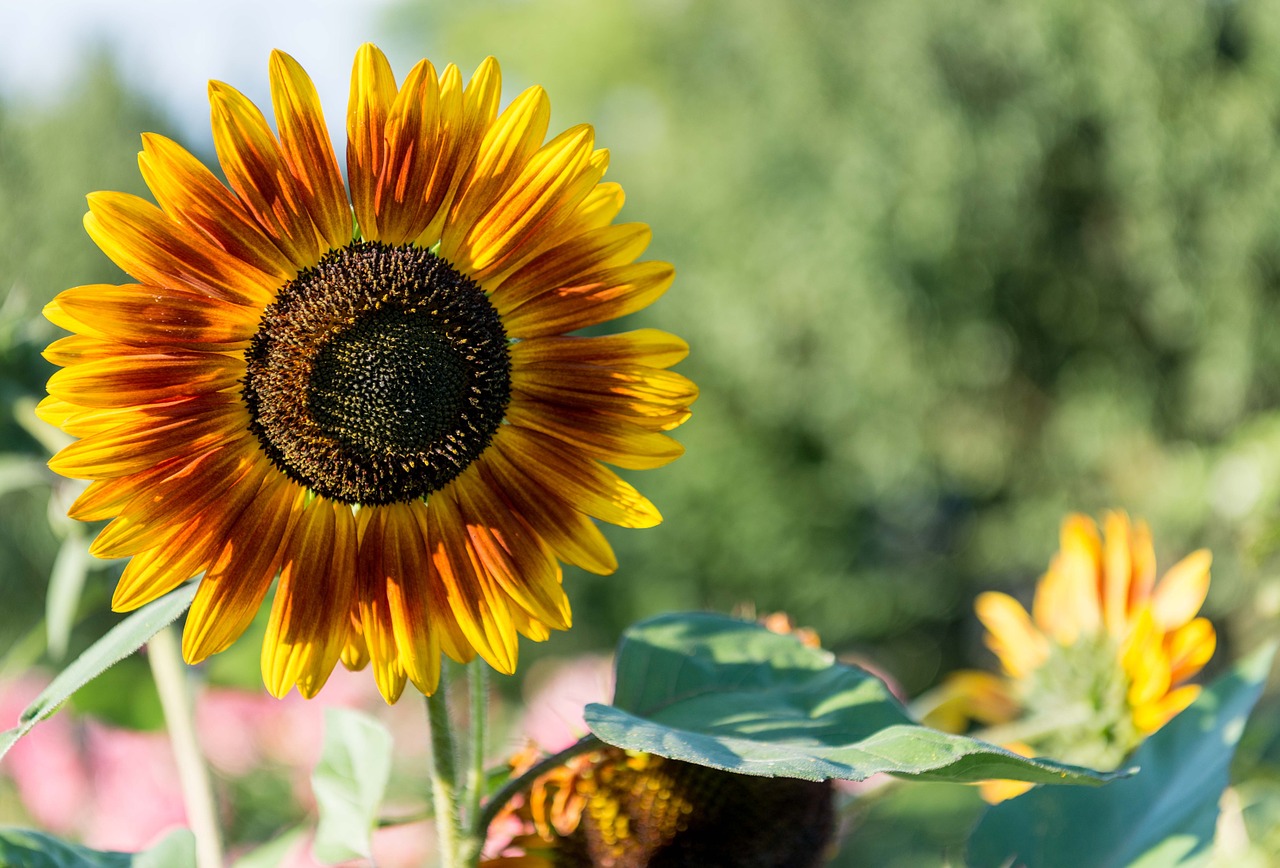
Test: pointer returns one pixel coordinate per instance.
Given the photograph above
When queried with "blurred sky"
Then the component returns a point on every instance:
(169, 49)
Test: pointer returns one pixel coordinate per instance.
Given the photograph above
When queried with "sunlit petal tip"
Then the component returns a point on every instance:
(487, 77)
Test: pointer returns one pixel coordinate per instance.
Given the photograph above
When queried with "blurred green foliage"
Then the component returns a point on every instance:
(949, 270)
(50, 157)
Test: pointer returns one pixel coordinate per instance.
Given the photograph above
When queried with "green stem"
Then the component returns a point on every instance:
(518, 785)
(444, 775)
(478, 671)
(167, 668)
(1033, 728)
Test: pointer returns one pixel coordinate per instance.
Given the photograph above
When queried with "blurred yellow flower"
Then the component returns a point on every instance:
(1101, 660)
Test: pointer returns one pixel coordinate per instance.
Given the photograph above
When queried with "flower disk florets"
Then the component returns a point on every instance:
(377, 376)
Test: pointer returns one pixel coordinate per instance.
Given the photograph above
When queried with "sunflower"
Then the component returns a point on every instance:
(620, 809)
(375, 397)
(1102, 659)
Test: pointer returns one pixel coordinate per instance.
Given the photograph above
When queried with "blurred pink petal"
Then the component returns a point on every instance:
(136, 795)
(45, 765)
(557, 693)
(228, 723)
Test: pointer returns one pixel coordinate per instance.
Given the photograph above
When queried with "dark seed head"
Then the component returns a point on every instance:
(378, 375)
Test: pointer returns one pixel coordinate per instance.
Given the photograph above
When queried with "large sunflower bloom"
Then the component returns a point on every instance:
(1102, 659)
(373, 397)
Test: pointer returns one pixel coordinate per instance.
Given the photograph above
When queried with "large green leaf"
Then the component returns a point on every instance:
(349, 782)
(732, 695)
(119, 642)
(27, 848)
(1163, 816)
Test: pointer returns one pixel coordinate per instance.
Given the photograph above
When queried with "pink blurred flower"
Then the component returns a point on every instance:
(46, 766)
(110, 788)
(136, 794)
(557, 693)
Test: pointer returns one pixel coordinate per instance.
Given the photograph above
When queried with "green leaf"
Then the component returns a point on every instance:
(66, 582)
(349, 782)
(21, 471)
(272, 853)
(732, 695)
(1163, 816)
(175, 850)
(27, 848)
(119, 642)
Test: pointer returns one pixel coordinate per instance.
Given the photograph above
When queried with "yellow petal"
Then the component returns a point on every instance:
(1143, 553)
(590, 300)
(1116, 575)
(480, 611)
(1180, 593)
(259, 173)
(569, 533)
(155, 249)
(147, 315)
(375, 613)
(586, 484)
(1010, 633)
(570, 263)
(1189, 647)
(305, 145)
(193, 196)
(373, 89)
(1143, 658)
(309, 620)
(1152, 716)
(507, 145)
(237, 581)
(650, 347)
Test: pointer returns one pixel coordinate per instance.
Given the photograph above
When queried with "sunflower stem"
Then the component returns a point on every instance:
(444, 775)
(517, 785)
(478, 672)
(169, 672)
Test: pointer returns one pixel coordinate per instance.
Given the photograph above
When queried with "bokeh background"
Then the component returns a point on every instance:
(949, 269)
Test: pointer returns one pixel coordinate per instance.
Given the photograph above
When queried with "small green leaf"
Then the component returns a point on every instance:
(732, 695)
(1163, 816)
(66, 582)
(349, 782)
(21, 471)
(175, 850)
(119, 642)
(272, 853)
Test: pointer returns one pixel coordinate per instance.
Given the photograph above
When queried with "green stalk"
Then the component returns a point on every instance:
(478, 678)
(444, 776)
(169, 672)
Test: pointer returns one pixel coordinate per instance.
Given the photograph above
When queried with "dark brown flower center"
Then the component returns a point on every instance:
(378, 375)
